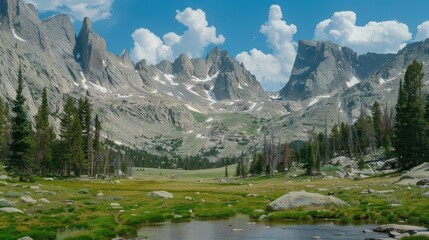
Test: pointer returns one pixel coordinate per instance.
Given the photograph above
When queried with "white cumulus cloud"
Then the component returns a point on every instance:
(149, 45)
(379, 37)
(422, 31)
(77, 9)
(273, 69)
(193, 41)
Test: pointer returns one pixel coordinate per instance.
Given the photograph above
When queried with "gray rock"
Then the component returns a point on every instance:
(28, 199)
(302, 199)
(44, 200)
(6, 203)
(160, 194)
(4, 177)
(426, 194)
(25, 238)
(10, 210)
(423, 182)
(399, 228)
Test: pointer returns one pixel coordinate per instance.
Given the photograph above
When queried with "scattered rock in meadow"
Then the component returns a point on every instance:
(100, 195)
(28, 199)
(160, 194)
(188, 198)
(34, 187)
(25, 238)
(423, 182)
(6, 203)
(10, 210)
(116, 181)
(115, 205)
(49, 179)
(252, 195)
(4, 177)
(303, 199)
(44, 200)
(426, 194)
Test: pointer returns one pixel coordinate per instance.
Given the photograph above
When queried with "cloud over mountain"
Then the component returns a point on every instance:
(77, 9)
(422, 31)
(379, 37)
(193, 41)
(273, 69)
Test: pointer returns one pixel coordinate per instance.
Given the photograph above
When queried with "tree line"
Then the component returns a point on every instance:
(402, 133)
(27, 152)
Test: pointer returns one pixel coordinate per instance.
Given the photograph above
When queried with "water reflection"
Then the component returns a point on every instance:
(240, 228)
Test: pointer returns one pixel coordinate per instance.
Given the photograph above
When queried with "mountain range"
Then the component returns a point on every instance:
(211, 106)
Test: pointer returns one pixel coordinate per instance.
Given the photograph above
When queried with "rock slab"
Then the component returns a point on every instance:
(304, 199)
(160, 194)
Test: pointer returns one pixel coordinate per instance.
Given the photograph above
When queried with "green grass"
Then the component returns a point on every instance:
(199, 117)
(91, 217)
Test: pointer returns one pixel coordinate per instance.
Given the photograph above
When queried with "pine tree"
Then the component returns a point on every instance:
(409, 140)
(238, 169)
(45, 137)
(71, 139)
(85, 111)
(96, 145)
(19, 160)
(377, 123)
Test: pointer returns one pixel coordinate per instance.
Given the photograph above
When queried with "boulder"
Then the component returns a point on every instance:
(426, 194)
(25, 238)
(10, 210)
(420, 172)
(304, 199)
(341, 160)
(4, 177)
(390, 164)
(6, 203)
(399, 228)
(44, 200)
(423, 182)
(160, 194)
(28, 199)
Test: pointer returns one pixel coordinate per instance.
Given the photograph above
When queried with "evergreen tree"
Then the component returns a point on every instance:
(71, 139)
(409, 140)
(96, 145)
(6, 134)
(377, 123)
(238, 169)
(19, 160)
(226, 169)
(45, 137)
(85, 111)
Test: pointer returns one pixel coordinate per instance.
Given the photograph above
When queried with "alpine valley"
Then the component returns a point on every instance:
(191, 106)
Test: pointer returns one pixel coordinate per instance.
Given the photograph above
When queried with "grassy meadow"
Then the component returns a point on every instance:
(77, 210)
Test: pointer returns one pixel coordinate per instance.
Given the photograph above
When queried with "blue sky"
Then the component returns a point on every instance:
(235, 25)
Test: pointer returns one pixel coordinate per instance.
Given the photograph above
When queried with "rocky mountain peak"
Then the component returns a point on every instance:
(324, 68)
(90, 50)
(183, 66)
(23, 21)
(61, 33)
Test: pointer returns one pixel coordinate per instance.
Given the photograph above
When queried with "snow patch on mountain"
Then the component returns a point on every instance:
(99, 88)
(83, 80)
(156, 78)
(353, 81)
(207, 79)
(17, 37)
(192, 108)
(316, 99)
(170, 78)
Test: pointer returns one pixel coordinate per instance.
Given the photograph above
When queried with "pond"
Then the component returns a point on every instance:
(240, 228)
